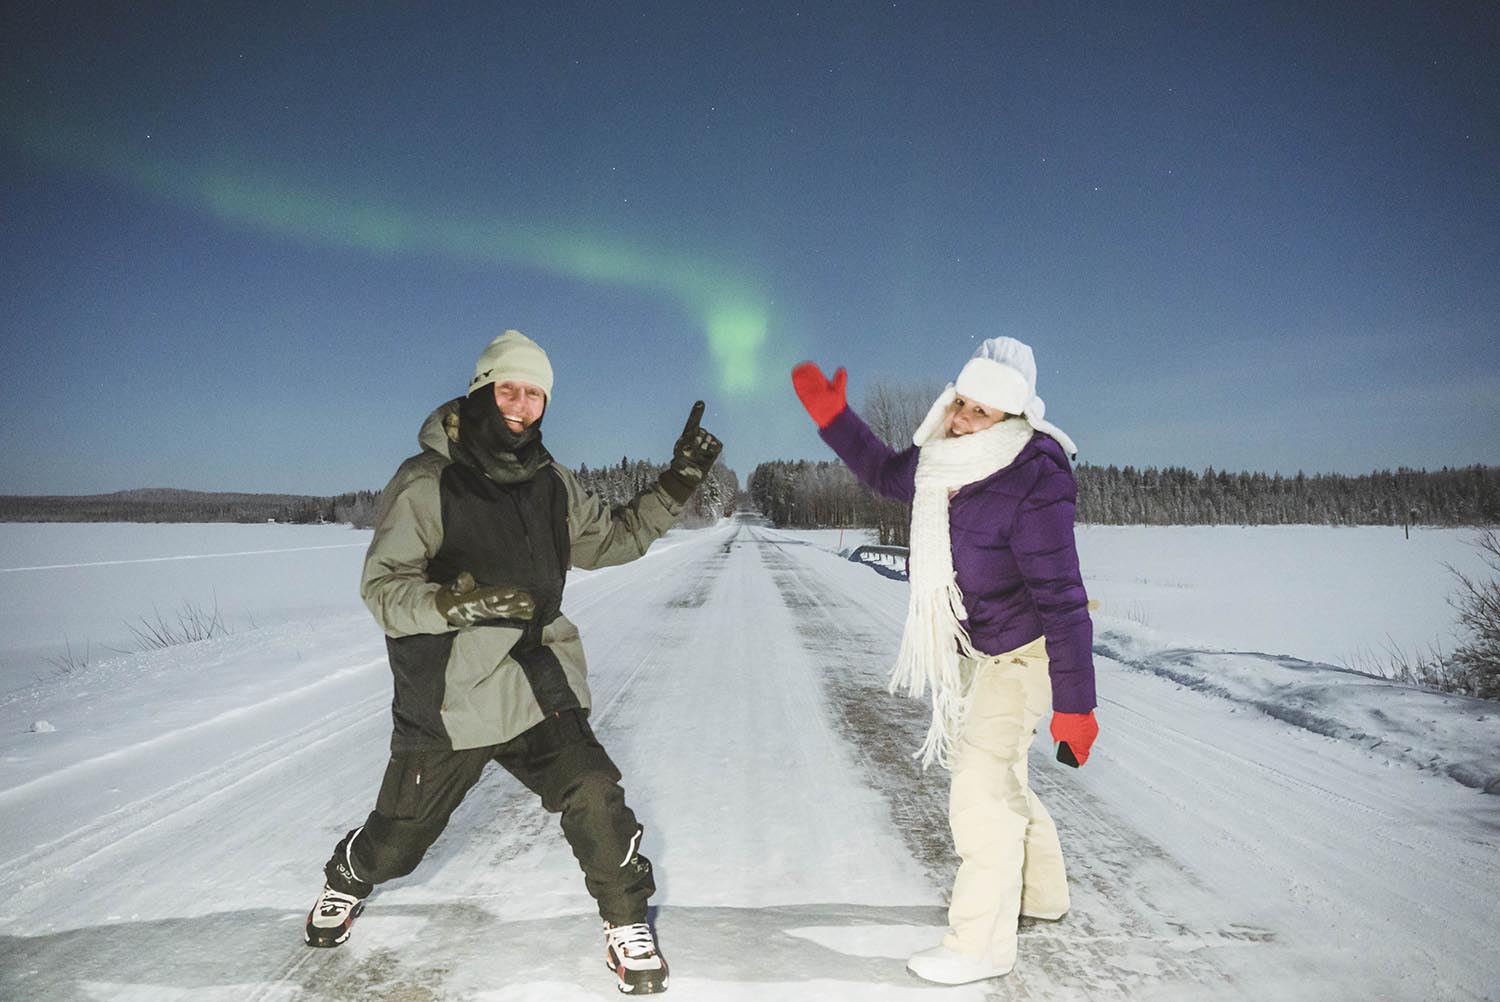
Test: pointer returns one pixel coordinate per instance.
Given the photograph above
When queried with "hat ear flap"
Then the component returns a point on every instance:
(932, 424)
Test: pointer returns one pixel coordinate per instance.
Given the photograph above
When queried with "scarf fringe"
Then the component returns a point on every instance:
(931, 645)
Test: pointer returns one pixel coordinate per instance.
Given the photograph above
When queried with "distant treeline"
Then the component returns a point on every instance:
(1176, 496)
(163, 504)
(614, 484)
(805, 494)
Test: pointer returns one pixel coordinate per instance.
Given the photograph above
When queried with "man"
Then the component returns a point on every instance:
(465, 575)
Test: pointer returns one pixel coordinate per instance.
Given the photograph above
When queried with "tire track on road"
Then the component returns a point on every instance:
(500, 821)
(1088, 955)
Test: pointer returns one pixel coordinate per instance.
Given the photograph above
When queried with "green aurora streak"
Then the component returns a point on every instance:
(731, 312)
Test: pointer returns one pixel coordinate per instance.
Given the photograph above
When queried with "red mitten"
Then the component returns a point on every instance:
(1075, 734)
(823, 400)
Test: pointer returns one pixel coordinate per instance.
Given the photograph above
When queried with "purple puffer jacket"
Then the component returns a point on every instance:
(1013, 550)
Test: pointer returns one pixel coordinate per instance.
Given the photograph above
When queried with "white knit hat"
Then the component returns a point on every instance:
(1001, 375)
(515, 356)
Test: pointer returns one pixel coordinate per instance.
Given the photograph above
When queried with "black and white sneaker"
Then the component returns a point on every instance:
(332, 917)
(630, 951)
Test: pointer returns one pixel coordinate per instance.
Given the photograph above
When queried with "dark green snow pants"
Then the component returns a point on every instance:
(560, 760)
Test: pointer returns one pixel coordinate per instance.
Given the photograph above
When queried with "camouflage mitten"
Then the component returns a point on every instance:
(464, 603)
(692, 457)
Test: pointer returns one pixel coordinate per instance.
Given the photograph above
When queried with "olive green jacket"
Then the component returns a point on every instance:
(486, 697)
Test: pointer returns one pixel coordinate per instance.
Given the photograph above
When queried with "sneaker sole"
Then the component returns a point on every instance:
(638, 982)
(324, 942)
(930, 979)
(646, 986)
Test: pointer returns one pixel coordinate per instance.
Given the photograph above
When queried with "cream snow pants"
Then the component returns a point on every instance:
(1011, 863)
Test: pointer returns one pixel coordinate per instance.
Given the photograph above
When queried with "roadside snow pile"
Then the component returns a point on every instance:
(1453, 735)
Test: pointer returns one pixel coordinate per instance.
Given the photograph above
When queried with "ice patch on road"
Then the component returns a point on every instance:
(893, 942)
(817, 990)
(540, 991)
(107, 991)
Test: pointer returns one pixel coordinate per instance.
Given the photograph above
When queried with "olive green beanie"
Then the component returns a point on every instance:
(515, 356)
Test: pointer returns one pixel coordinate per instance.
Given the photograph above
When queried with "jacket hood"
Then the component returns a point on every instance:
(434, 434)
(1044, 444)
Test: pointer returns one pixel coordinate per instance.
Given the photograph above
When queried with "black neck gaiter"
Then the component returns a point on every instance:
(486, 441)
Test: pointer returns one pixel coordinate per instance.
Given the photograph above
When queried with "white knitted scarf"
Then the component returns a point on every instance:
(934, 637)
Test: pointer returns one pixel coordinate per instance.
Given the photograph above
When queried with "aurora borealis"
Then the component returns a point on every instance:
(731, 313)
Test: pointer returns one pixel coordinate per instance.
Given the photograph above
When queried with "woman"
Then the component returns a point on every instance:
(997, 625)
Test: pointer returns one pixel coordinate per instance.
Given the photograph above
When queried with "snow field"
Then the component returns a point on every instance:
(1250, 826)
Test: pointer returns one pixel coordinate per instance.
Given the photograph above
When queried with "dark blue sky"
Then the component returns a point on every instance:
(249, 247)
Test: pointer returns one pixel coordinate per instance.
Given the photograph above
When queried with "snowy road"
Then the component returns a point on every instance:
(739, 683)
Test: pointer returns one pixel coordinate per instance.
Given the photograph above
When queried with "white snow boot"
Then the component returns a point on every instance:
(332, 917)
(949, 967)
(630, 951)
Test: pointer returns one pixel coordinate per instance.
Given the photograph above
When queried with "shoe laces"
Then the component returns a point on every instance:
(335, 903)
(632, 940)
